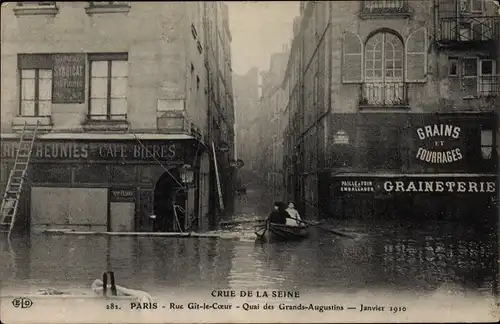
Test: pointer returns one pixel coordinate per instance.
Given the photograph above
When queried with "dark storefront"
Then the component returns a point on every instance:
(436, 167)
(106, 185)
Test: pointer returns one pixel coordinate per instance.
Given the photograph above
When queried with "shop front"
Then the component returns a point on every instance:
(435, 167)
(112, 183)
(415, 197)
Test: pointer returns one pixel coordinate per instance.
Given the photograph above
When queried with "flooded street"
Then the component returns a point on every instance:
(414, 260)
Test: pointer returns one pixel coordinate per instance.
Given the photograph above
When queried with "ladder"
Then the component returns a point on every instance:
(17, 176)
(217, 178)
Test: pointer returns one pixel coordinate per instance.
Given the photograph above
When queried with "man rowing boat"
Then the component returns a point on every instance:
(279, 214)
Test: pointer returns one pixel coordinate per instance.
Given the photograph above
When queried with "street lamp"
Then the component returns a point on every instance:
(186, 173)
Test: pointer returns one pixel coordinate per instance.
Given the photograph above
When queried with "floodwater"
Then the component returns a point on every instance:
(414, 260)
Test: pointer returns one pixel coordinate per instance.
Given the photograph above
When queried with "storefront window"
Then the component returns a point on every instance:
(123, 174)
(51, 173)
(91, 173)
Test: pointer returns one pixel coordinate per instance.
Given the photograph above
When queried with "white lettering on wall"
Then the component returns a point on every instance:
(439, 157)
(440, 130)
(439, 186)
(105, 151)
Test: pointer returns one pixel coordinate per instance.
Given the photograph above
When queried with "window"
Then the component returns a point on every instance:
(36, 92)
(487, 78)
(108, 87)
(35, 85)
(467, 6)
(477, 77)
(465, 31)
(452, 67)
(486, 143)
(384, 55)
(469, 74)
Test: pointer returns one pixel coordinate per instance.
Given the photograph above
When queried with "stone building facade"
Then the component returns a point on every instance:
(269, 136)
(379, 87)
(124, 94)
(246, 89)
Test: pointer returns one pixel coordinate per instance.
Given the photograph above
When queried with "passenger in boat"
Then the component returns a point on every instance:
(293, 218)
(279, 214)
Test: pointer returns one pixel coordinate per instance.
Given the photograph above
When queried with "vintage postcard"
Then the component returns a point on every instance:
(250, 161)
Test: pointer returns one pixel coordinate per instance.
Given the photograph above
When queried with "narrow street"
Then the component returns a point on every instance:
(420, 260)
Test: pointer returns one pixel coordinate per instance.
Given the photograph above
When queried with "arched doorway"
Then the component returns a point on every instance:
(168, 194)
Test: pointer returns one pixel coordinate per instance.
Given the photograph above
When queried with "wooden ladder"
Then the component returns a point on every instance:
(217, 178)
(17, 177)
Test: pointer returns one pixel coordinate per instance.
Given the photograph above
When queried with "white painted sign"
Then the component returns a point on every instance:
(439, 186)
(341, 137)
(440, 141)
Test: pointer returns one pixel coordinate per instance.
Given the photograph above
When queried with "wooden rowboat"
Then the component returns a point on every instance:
(280, 232)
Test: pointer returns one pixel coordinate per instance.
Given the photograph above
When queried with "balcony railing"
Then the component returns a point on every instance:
(480, 87)
(383, 93)
(384, 6)
(468, 29)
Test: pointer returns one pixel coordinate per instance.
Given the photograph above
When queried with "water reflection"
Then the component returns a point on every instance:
(383, 257)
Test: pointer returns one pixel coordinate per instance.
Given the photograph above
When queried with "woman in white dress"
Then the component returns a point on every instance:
(294, 219)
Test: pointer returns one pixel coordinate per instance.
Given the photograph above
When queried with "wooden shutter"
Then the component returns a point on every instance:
(416, 56)
(352, 58)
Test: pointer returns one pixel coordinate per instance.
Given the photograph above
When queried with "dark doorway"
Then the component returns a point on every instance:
(165, 197)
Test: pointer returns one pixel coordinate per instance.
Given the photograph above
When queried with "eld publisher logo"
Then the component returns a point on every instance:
(22, 302)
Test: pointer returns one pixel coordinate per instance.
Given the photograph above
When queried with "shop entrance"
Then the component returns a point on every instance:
(169, 204)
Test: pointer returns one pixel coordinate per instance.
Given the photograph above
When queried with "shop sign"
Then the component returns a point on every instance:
(68, 78)
(439, 144)
(101, 151)
(122, 194)
(341, 138)
(415, 184)
(356, 186)
(439, 186)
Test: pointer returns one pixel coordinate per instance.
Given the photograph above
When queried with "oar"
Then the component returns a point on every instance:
(227, 223)
(261, 236)
(323, 228)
